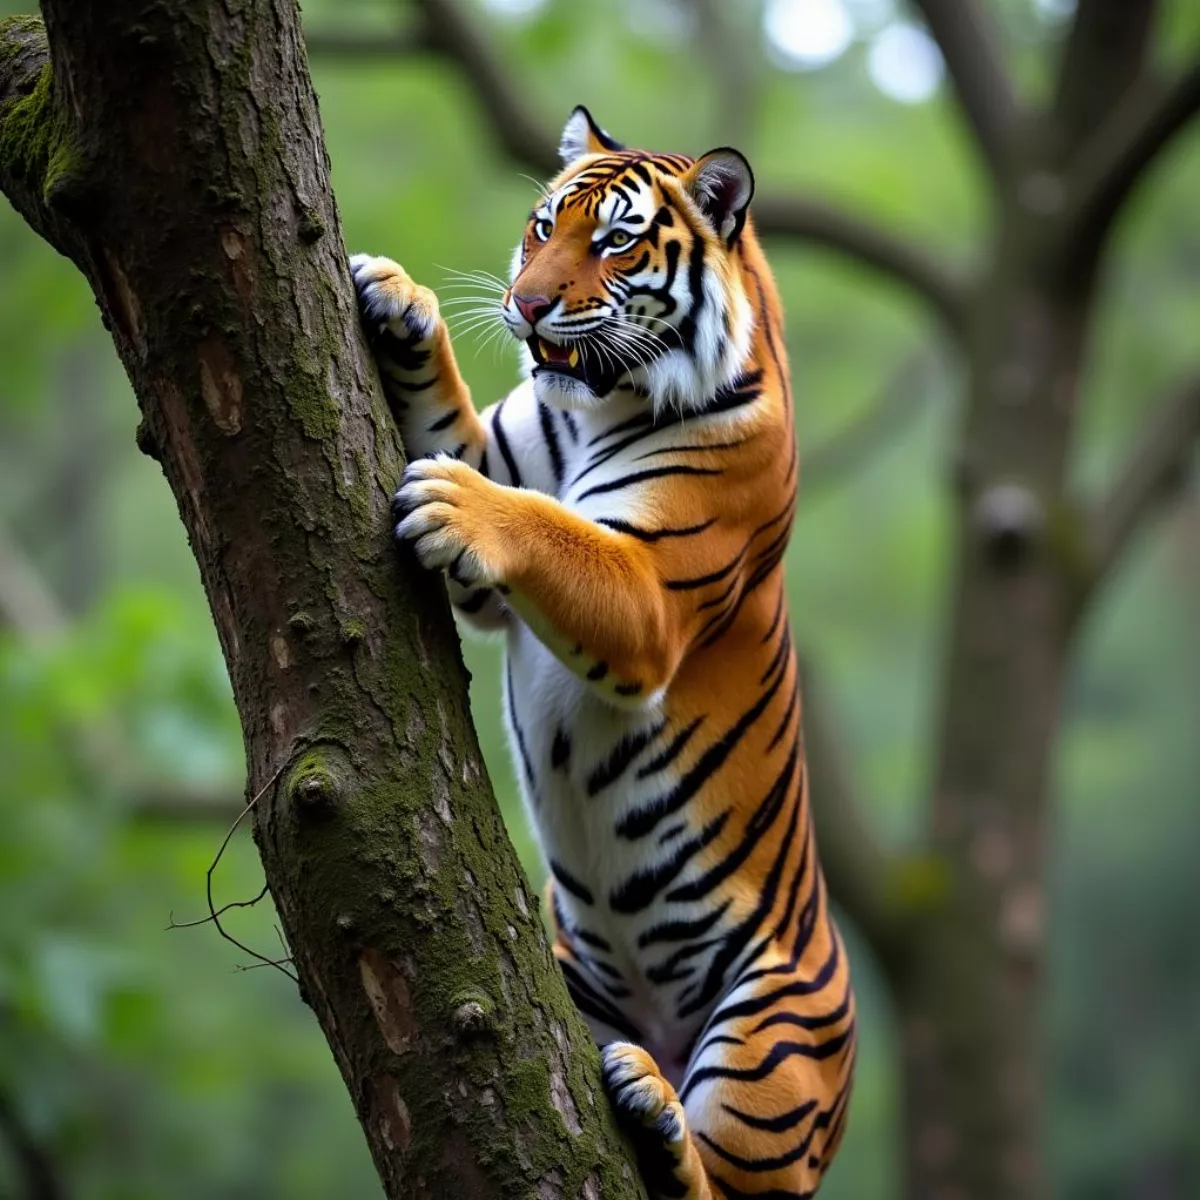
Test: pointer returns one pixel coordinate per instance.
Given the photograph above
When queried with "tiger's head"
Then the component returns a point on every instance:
(628, 274)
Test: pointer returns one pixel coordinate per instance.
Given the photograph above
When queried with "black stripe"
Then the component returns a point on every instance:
(621, 758)
(520, 735)
(680, 931)
(624, 481)
(765, 815)
(443, 422)
(652, 535)
(505, 449)
(672, 752)
(644, 820)
(552, 446)
(568, 881)
(474, 602)
(560, 751)
(778, 1124)
(642, 887)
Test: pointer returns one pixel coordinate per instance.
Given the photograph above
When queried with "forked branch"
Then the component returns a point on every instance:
(972, 53)
(1112, 162)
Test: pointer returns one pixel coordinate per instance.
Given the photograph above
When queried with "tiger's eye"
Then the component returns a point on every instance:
(619, 238)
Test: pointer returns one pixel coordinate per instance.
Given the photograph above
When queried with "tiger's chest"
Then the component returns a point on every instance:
(587, 769)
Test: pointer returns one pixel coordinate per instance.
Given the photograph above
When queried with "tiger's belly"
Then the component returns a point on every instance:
(596, 781)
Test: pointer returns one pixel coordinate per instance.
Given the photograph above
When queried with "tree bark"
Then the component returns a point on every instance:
(172, 149)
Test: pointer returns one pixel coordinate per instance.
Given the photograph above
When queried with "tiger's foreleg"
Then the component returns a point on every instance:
(426, 392)
(590, 595)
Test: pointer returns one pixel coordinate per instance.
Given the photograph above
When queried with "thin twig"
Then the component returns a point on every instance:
(174, 924)
(213, 914)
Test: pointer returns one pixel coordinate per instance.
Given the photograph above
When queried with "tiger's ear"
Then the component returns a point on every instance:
(581, 135)
(721, 183)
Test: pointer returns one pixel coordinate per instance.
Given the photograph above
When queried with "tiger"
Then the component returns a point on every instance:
(622, 516)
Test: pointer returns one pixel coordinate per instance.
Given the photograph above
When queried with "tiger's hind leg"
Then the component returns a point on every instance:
(768, 1085)
(762, 1108)
(650, 1113)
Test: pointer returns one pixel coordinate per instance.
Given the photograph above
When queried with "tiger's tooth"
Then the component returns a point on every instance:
(573, 359)
(545, 349)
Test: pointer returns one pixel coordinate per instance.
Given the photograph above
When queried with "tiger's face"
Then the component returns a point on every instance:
(628, 274)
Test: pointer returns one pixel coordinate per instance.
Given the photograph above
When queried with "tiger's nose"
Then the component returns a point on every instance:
(532, 308)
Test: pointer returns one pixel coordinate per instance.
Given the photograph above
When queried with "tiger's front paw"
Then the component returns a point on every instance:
(446, 509)
(389, 299)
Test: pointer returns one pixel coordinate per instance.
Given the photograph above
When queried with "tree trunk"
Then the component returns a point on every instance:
(970, 997)
(173, 151)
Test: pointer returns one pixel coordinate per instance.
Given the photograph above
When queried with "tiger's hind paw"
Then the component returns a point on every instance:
(649, 1111)
(389, 299)
(644, 1101)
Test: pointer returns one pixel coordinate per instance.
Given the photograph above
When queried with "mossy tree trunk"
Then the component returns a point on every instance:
(172, 149)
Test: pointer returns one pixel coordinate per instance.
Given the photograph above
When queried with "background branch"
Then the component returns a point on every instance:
(28, 607)
(1155, 469)
(868, 245)
(448, 31)
(1113, 160)
(356, 47)
(1103, 57)
(971, 49)
(729, 57)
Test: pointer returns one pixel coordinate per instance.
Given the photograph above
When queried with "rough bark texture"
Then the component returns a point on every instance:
(172, 149)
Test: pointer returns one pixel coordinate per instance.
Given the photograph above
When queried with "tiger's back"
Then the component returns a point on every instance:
(623, 515)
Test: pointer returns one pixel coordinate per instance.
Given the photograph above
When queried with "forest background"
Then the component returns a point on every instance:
(141, 1061)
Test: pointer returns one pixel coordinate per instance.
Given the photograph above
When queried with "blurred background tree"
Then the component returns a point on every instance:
(131, 1065)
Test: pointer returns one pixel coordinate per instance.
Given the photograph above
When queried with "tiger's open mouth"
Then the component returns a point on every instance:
(566, 360)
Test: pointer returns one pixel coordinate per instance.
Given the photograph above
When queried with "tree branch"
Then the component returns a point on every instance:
(232, 310)
(522, 137)
(728, 57)
(971, 50)
(859, 872)
(1102, 59)
(867, 245)
(1155, 469)
(358, 47)
(449, 32)
(1110, 164)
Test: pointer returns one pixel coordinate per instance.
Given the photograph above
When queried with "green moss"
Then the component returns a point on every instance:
(353, 631)
(35, 143)
(12, 29)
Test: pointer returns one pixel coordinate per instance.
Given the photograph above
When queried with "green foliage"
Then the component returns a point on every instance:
(146, 1066)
